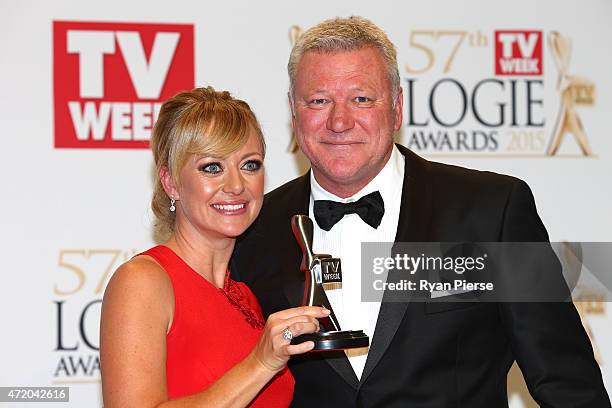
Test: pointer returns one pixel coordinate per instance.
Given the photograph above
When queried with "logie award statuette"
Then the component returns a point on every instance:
(330, 336)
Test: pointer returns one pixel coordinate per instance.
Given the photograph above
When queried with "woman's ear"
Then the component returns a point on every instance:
(168, 183)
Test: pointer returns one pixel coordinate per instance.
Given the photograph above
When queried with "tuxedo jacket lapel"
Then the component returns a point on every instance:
(416, 207)
(413, 226)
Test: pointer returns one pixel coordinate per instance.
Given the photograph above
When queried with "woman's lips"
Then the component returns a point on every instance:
(235, 208)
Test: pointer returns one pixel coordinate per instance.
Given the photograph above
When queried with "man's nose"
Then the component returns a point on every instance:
(340, 118)
(234, 182)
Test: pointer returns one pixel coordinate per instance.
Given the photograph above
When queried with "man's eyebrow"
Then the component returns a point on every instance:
(318, 90)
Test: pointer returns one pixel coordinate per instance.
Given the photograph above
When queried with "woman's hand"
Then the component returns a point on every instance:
(273, 349)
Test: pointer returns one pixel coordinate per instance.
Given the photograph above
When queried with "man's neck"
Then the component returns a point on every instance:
(338, 189)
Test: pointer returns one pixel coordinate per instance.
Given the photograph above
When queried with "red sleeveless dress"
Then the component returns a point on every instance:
(212, 330)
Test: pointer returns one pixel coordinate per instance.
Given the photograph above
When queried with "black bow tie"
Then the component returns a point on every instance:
(370, 208)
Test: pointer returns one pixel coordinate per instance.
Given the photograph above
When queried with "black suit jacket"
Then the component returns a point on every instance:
(432, 354)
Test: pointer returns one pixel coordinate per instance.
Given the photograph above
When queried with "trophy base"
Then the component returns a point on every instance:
(335, 340)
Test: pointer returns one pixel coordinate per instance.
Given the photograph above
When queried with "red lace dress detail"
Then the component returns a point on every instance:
(233, 293)
(212, 330)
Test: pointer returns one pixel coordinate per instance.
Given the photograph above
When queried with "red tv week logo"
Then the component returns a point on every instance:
(109, 80)
(518, 52)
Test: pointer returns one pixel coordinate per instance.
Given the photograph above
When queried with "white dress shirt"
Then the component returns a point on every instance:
(344, 241)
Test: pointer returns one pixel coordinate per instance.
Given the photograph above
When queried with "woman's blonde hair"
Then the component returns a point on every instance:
(200, 122)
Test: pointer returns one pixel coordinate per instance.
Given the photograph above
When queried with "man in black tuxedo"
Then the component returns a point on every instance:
(346, 104)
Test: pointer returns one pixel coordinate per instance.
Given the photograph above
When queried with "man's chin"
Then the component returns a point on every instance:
(342, 179)
(341, 174)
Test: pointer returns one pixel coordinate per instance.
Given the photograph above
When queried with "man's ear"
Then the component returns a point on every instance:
(291, 104)
(168, 183)
(398, 111)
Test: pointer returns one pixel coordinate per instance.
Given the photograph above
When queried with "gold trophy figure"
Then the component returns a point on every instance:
(331, 336)
(574, 91)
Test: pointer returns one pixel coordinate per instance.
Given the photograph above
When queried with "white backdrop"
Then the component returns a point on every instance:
(72, 215)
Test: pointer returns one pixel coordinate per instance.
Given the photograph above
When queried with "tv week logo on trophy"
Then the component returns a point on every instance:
(518, 52)
(110, 80)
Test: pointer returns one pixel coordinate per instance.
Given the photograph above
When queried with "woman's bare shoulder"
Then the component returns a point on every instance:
(140, 282)
(141, 271)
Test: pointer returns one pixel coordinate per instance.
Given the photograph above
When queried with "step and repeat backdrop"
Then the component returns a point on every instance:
(521, 88)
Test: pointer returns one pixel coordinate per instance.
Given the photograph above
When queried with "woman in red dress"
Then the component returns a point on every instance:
(176, 330)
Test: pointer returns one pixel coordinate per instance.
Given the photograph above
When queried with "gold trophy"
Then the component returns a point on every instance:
(574, 91)
(330, 336)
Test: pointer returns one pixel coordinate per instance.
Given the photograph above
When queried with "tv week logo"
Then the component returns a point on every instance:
(518, 52)
(110, 79)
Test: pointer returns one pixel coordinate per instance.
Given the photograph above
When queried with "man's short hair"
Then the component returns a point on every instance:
(345, 34)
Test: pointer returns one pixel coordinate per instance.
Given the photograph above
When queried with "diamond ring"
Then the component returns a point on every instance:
(287, 335)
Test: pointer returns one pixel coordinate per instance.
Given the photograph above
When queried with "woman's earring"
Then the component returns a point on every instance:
(172, 207)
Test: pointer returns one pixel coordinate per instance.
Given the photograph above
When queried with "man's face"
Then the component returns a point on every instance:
(343, 117)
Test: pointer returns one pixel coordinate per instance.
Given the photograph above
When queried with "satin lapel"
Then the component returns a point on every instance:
(413, 226)
(340, 363)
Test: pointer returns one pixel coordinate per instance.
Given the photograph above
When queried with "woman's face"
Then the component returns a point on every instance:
(221, 197)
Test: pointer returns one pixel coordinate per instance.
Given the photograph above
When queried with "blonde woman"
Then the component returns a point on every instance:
(176, 330)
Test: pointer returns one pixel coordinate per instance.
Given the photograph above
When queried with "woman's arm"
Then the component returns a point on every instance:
(136, 315)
